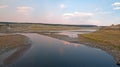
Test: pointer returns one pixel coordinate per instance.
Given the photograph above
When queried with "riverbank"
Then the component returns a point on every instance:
(11, 41)
(114, 51)
(108, 40)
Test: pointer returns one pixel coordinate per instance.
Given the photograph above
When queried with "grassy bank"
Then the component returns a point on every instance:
(107, 39)
(12, 41)
(48, 28)
(104, 37)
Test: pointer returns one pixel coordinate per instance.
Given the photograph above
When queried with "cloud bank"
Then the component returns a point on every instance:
(80, 18)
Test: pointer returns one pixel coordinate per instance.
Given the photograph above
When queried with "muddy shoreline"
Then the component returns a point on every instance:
(12, 41)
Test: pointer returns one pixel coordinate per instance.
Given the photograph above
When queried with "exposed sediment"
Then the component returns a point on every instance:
(11, 41)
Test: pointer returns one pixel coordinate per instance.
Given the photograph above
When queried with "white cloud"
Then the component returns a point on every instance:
(80, 18)
(3, 6)
(78, 14)
(116, 6)
(104, 13)
(62, 6)
(24, 9)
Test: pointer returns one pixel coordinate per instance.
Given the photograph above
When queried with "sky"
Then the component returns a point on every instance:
(97, 12)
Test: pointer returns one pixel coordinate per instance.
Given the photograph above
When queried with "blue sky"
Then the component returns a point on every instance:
(98, 12)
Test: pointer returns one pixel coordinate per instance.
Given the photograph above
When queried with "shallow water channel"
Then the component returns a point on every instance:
(50, 52)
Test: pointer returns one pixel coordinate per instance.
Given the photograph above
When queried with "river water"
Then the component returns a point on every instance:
(50, 52)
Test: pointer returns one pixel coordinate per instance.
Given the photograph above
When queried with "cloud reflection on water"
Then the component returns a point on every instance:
(70, 44)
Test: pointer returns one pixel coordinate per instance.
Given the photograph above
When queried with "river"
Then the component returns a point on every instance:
(50, 52)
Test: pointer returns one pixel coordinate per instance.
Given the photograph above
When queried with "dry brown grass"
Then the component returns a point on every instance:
(55, 28)
(104, 37)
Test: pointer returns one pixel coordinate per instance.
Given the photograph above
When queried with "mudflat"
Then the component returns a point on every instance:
(12, 41)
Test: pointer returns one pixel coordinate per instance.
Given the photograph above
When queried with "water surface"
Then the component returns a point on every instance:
(49, 52)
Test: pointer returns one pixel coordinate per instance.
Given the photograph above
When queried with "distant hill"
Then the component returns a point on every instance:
(50, 24)
(7, 22)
